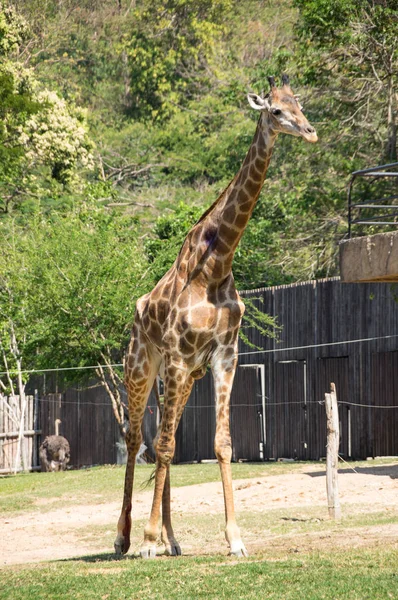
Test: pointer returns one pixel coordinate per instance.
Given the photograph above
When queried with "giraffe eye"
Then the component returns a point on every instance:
(276, 111)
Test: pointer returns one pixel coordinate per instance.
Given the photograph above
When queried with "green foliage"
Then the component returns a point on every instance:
(168, 52)
(42, 137)
(14, 29)
(197, 127)
(353, 46)
(170, 231)
(255, 317)
(91, 276)
(331, 22)
(56, 137)
(19, 308)
(141, 108)
(16, 106)
(68, 287)
(327, 19)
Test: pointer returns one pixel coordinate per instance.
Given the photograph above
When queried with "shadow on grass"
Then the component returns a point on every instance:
(98, 558)
(382, 470)
(296, 519)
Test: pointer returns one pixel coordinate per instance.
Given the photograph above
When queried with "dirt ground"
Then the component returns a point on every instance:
(39, 536)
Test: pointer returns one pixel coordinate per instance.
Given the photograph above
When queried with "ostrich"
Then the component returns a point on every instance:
(54, 452)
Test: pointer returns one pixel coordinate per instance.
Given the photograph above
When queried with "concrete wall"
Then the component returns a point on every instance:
(370, 258)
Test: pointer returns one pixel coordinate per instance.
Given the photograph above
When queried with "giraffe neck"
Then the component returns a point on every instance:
(231, 213)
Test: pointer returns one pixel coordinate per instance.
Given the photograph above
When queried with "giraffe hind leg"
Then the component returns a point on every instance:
(172, 547)
(175, 383)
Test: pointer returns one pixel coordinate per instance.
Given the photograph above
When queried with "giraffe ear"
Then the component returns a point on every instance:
(257, 102)
(297, 96)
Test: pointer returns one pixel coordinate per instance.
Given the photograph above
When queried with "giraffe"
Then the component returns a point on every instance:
(191, 320)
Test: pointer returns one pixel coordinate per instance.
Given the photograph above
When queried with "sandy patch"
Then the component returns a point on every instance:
(33, 537)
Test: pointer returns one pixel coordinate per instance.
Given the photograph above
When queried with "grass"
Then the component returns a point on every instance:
(358, 574)
(105, 484)
(23, 492)
(295, 553)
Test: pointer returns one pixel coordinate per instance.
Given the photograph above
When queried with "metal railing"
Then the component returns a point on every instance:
(385, 203)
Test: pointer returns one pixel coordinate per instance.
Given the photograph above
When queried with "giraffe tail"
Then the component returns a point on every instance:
(155, 390)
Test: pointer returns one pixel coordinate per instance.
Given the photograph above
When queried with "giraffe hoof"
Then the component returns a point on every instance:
(148, 552)
(121, 546)
(238, 550)
(173, 550)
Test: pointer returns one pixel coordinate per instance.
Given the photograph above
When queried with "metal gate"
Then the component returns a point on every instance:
(247, 413)
(385, 393)
(288, 425)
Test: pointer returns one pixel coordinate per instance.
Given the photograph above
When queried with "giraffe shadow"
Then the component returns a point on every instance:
(106, 557)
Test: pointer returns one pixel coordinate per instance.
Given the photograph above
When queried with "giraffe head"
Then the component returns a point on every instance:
(283, 111)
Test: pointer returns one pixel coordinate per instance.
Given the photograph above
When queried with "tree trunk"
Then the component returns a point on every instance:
(21, 448)
(111, 386)
(391, 146)
(127, 101)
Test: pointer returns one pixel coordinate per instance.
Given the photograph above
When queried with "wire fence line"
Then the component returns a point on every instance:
(367, 405)
(201, 406)
(324, 345)
(58, 369)
(268, 351)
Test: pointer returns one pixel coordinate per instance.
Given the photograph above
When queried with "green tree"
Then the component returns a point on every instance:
(68, 288)
(168, 52)
(43, 139)
(355, 45)
(19, 323)
(92, 272)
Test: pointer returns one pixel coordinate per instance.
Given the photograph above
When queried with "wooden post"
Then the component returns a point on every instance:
(332, 453)
(35, 453)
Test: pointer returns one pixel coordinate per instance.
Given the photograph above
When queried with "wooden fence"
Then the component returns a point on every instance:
(331, 332)
(277, 400)
(10, 417)
(87, 422)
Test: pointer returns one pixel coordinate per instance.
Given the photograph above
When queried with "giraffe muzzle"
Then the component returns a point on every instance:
(309, 134)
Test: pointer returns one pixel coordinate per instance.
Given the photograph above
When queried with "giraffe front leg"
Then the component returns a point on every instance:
(232, 531)
(223, 372)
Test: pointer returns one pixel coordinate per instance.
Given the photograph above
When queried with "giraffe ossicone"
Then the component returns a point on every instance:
(191, 320)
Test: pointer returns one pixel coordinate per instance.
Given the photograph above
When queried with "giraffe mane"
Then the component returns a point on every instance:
(215, 203)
